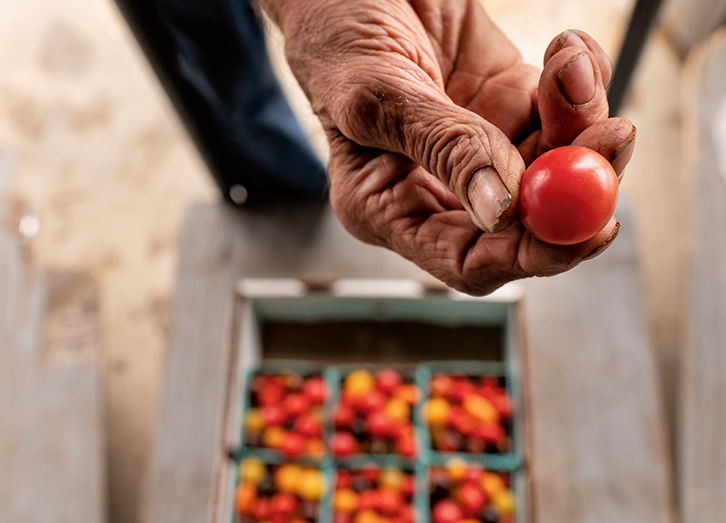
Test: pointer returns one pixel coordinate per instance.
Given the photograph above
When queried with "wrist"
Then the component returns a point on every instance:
(279, 11)
(297, 18)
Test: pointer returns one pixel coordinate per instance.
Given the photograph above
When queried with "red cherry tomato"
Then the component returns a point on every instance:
(344, 416)
(387, 380)
(471, 498)
(446, 511)
(283, 503)
(567, 195)
(379, 424)
(389, 501)
(343, 443)
(314, 389)
(292, 445)
(374, 400)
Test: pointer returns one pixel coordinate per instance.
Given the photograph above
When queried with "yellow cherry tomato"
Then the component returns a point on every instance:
(287, 477)
(437, 411)
(398, 409)
(272, 437)
(252, 471)
(456, 467)
(245, 497)
(345, 500)
(359, 383)
(391, 478)
(310, 486)
(480, 408)
(367, 516)
(407, 392)
(314, 447)
(254, 422)
(504, 501)
(492, 484)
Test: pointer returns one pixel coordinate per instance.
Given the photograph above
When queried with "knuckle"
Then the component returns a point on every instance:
(367, 111)
(442, 145)
(453, 151)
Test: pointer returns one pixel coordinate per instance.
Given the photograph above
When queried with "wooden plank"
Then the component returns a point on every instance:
(689, 22)
(220, 245)
(51, 440)
(575, 356)
(701, 451)
(599, 447)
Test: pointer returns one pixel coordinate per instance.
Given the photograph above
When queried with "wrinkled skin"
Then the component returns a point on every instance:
(417, 96)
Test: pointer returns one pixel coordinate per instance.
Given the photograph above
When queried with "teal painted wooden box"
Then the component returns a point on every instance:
(286, 325)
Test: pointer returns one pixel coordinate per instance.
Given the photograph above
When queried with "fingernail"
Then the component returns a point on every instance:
(488, 198)
(623, 153)
(576, 80)
(600, 248)
(571, 39)
(566, 39)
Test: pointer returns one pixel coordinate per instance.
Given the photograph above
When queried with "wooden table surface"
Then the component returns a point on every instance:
(598, 439)
(52, 460)
(702, 438)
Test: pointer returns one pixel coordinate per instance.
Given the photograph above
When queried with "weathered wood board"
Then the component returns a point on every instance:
(598, 435)
(220, 245)
(599, 450)
(51, 440)
(702, 438)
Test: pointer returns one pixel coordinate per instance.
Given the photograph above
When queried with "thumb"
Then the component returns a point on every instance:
(412, 116)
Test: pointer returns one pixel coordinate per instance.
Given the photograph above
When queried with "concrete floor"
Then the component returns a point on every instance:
(104, 162)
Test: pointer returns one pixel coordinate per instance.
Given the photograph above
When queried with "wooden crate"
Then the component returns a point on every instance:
(286, 324)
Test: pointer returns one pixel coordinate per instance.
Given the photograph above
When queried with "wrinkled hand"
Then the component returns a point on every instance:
(432, 117)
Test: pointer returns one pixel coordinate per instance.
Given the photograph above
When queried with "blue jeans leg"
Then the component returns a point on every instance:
(260, 153)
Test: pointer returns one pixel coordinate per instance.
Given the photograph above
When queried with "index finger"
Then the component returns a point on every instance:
(571, 94)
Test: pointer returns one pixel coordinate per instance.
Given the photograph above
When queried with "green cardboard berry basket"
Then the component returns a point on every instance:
(326, 467)
(501, 370)
(302, 368)
(518, 487)
(383, 460)
(419, 495)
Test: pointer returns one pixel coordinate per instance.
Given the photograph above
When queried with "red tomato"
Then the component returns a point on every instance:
(295, 404)
(374, 400)
(283, 503)
(379, 424)
(471, 498)
(344, 416)
(343, 443)
(314, 389)
(308, 425)
(446, 511)
(389, 501)
(387, 380)
(292, 445)
(567, 195)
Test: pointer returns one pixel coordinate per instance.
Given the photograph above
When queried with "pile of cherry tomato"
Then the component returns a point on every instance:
(287, 493)
(374, 414)
(373, 495)
(462, 492)
(286, 414)
(468, 414)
